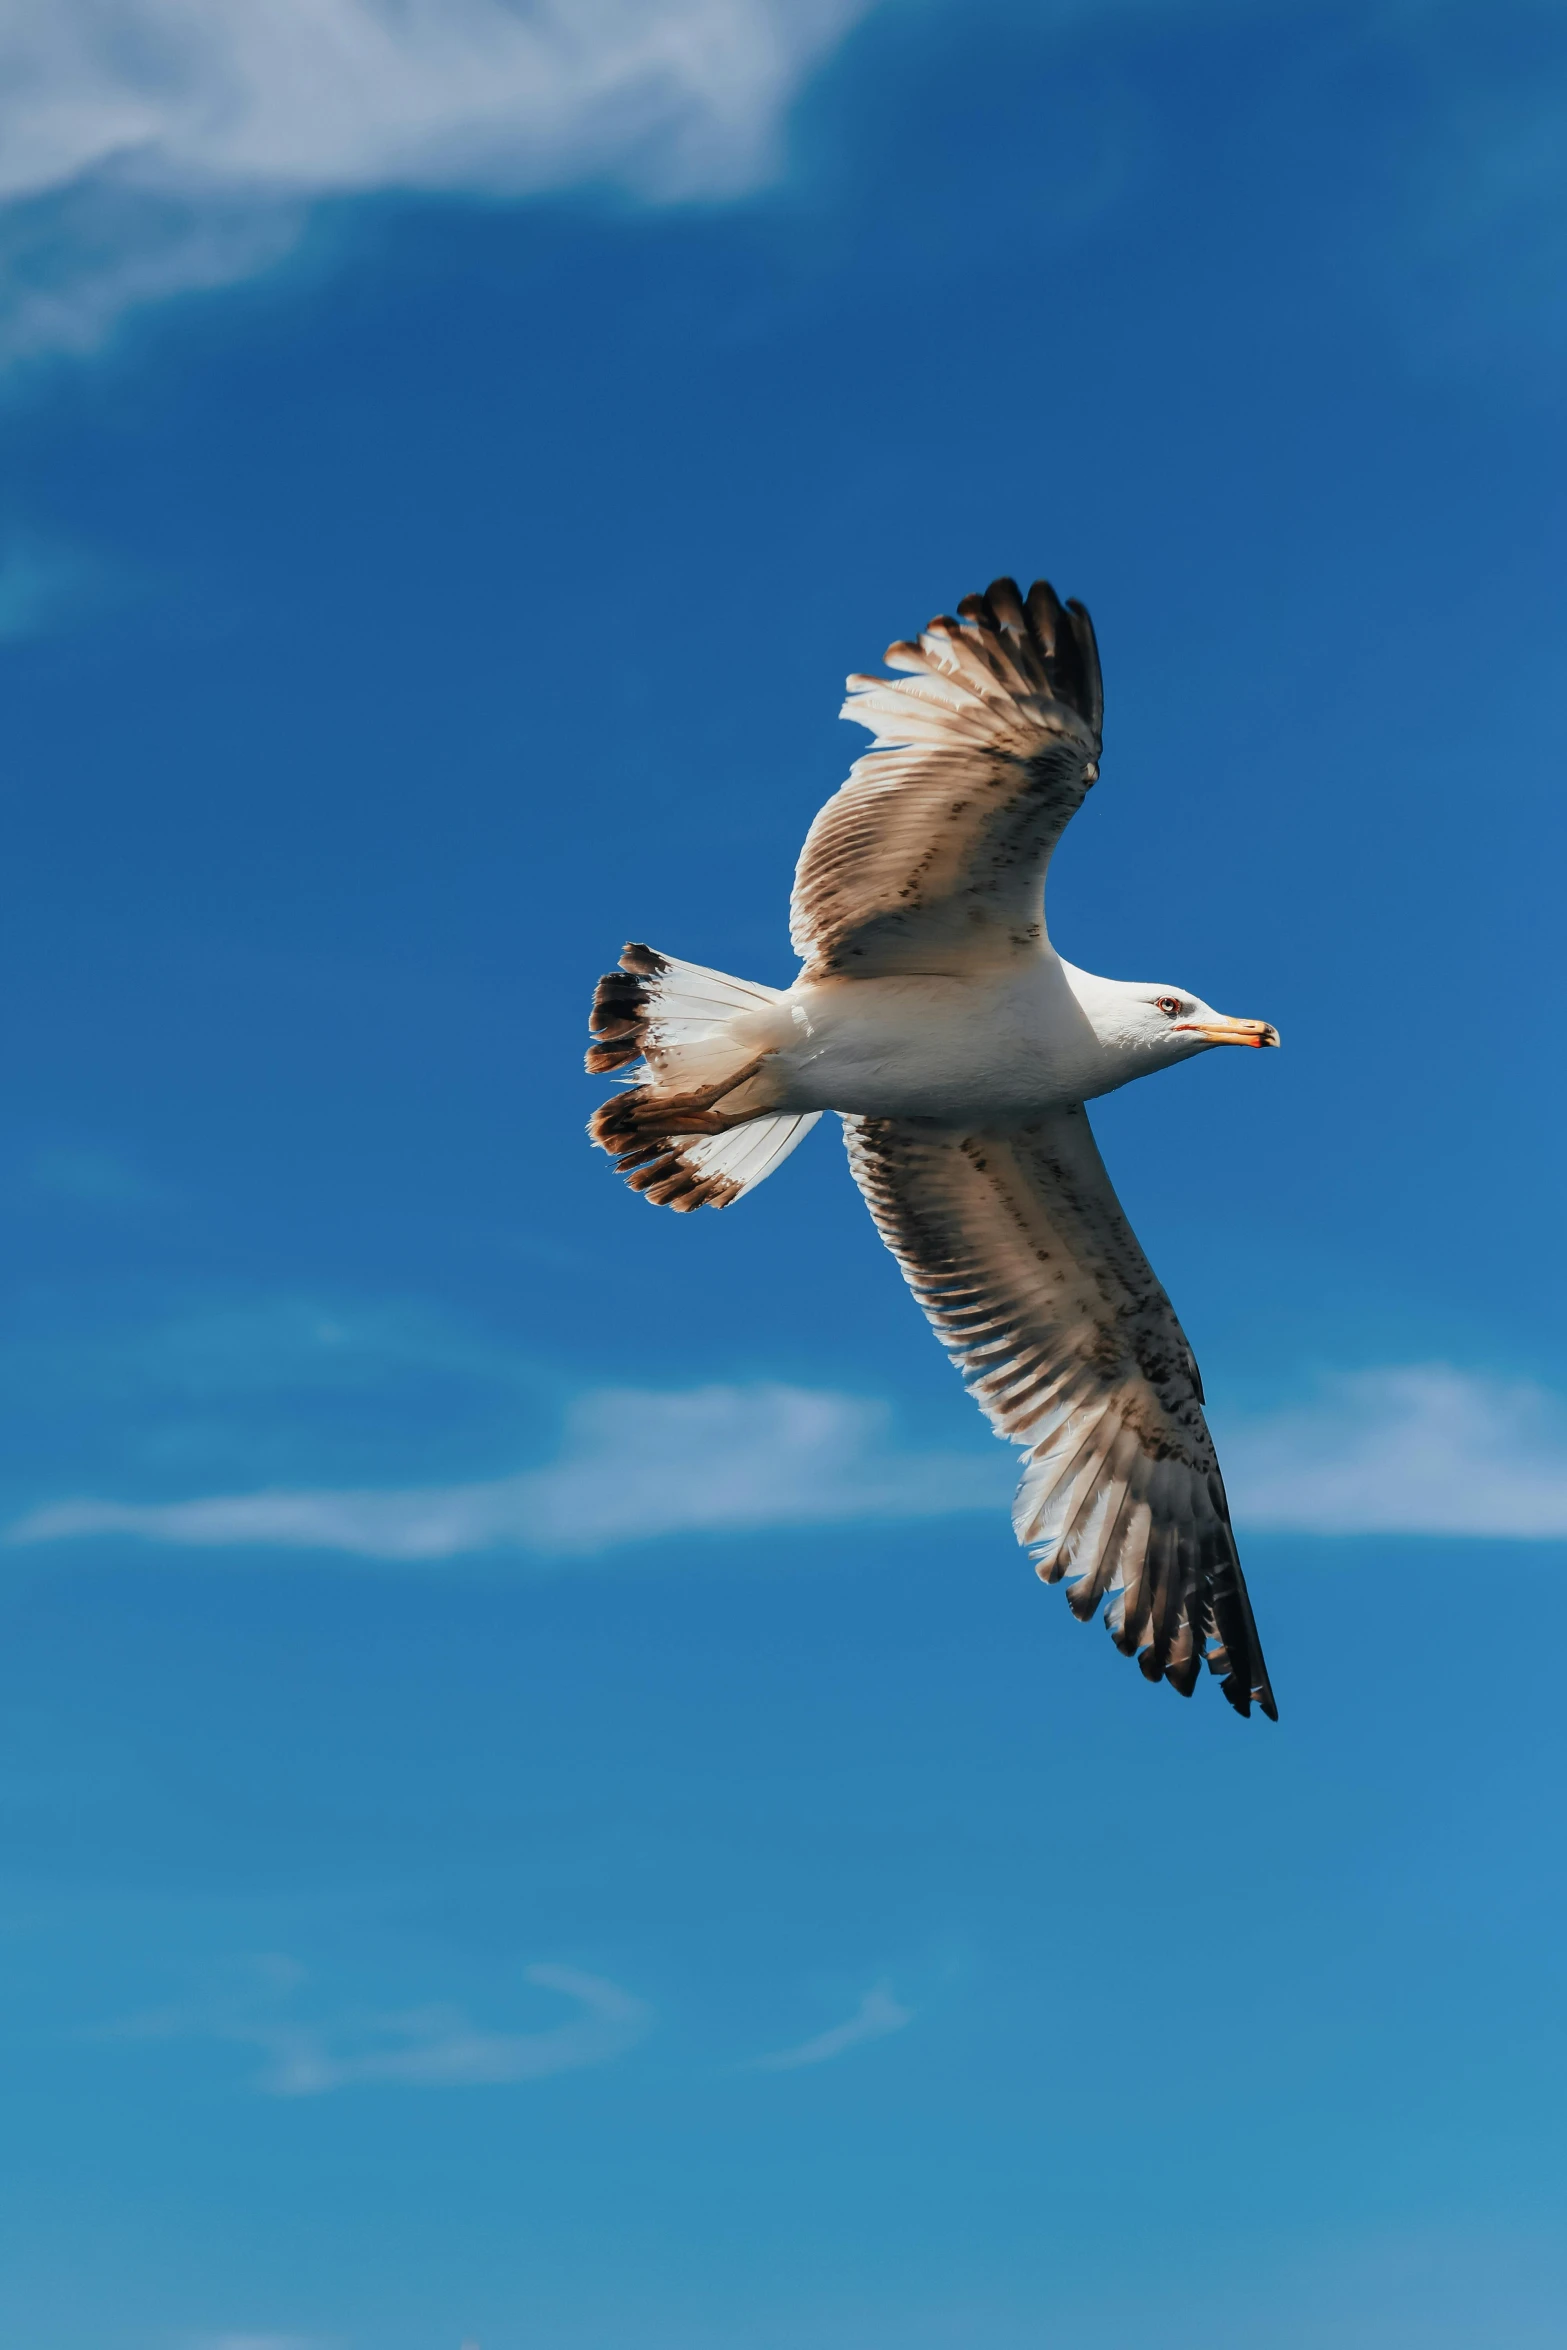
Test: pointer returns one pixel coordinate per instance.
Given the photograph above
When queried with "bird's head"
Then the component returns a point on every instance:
(1171, 1024)
(1154, 1024)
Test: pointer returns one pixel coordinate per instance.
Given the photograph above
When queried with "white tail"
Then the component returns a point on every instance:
(672, 1027)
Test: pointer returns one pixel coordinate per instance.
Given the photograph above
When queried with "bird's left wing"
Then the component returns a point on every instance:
(1017, 1248)
(932, 856)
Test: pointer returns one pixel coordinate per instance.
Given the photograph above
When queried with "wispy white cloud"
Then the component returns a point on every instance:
(877, 2014)
(76, 261)
(636, 1464)
(434, 2047)
(315, 95)
(1420, 1449)
(153, 147)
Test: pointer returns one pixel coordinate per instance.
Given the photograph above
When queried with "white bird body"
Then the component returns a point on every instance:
(932, 1045)
(934, 1016)
(1007, 1044)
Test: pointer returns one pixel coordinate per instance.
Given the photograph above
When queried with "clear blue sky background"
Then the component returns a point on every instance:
(465, 585)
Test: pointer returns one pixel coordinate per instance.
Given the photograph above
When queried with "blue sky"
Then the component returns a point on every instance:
(543, 1808)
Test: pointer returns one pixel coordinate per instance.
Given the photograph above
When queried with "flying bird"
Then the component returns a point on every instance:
(958, 1048)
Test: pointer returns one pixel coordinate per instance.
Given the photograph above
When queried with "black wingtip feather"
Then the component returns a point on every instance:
(1087, 644)
(1183, 1677)
(1045, 614)
(1060, 636)
(1007, 605)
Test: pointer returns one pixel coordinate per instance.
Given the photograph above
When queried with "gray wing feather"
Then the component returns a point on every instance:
(933, 854)
(1016, 1246)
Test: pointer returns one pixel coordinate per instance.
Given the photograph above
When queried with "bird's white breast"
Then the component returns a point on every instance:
(990, 1045)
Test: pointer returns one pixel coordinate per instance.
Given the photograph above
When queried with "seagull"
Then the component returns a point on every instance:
(933, 1015)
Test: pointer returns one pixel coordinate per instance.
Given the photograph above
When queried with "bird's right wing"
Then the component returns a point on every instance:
(1017, 1248)
(932, 856)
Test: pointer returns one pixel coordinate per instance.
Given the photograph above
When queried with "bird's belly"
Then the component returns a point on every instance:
(924, 1048)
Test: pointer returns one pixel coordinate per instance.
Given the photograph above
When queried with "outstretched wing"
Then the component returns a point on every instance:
(1017, 1248)
(932, 856)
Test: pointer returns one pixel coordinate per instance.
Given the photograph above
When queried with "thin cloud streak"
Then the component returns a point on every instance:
(636, 1465)
(877, 2014)
(434, 2047)
(1419, 1449)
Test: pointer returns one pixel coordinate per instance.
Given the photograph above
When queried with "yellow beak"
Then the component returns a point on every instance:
(1218, 1030)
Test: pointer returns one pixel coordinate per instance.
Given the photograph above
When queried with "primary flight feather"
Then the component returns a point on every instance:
(935, 1017)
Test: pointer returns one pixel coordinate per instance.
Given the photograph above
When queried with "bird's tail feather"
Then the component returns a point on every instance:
(654, 1006)
(682, 1030)
(684, 1171)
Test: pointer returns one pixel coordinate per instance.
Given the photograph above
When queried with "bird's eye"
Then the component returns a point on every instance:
(1170, 1004)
